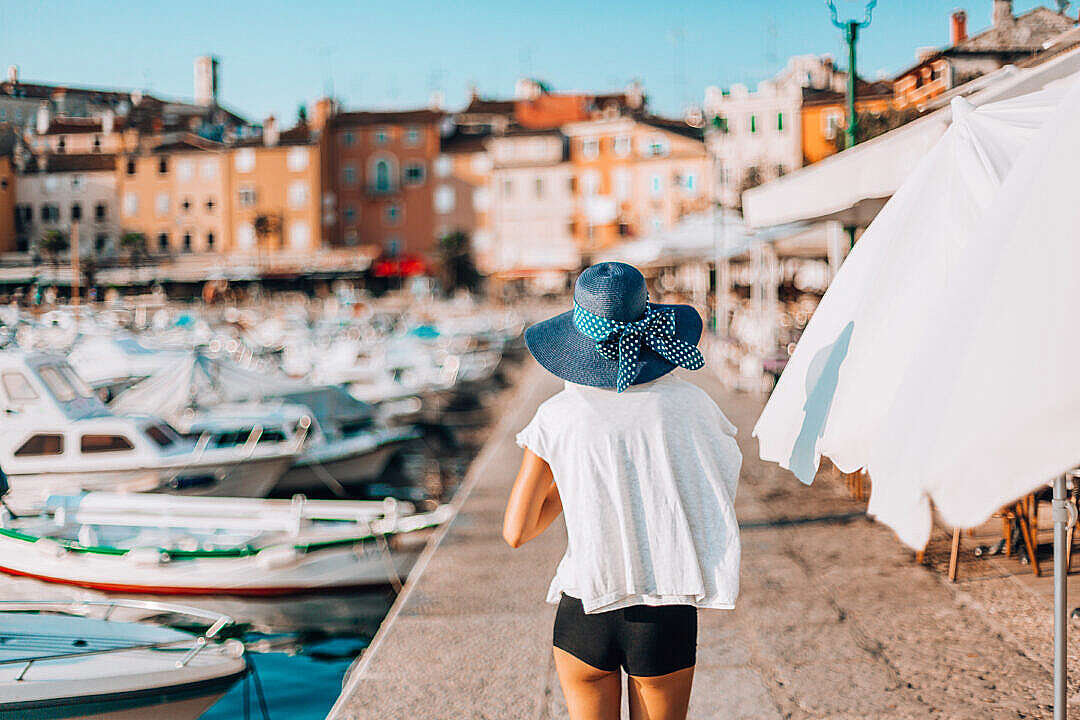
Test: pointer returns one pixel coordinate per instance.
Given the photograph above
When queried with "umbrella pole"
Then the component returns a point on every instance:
(1061, 523)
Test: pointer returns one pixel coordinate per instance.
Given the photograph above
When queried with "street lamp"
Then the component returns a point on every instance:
(851, 36)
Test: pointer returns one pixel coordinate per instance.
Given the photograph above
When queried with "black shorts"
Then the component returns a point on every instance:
(645, 641)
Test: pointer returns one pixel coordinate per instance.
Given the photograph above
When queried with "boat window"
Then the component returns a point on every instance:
(18, 388)
(76, 382)
(271, 436)
(159, 435)
(230, 438)
(43, 444)
(56, 383)
(105, 443)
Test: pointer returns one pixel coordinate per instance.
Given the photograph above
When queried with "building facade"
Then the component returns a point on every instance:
(55, 191)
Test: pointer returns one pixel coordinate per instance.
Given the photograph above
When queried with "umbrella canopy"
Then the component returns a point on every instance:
(941, 358)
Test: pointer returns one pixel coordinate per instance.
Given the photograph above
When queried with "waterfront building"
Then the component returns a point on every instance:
(54, 191)
(1010, 39)
(8, 139)
(823, 117)
(176, 196)
(380, 194)
(275, 191)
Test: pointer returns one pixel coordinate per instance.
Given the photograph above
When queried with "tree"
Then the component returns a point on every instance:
(751, 179)
(458, 269)
(134, 246)
(266, 226)
(872, 124)
(53, 243)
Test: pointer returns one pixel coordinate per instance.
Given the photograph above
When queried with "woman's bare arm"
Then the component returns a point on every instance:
(534, 501)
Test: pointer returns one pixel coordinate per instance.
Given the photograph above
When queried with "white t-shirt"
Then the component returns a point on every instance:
(647, 479)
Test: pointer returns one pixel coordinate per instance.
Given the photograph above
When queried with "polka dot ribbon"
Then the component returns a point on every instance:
(621, 341)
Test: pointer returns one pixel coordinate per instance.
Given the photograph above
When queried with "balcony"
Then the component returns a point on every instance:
(382, 190)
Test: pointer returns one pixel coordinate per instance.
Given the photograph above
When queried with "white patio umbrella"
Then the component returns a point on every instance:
(943, 358)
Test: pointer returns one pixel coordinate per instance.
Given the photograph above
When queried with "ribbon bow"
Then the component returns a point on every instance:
(622, 341)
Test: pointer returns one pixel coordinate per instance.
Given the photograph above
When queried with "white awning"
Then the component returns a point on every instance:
(852, 186)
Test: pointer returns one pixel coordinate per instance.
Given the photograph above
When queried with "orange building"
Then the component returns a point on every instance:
(275, 191)
(176, 196)
(824, 116)
(381, 196)
(7, 201)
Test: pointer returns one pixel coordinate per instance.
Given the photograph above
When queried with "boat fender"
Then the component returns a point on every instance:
(51, 547)
(146, 556)
(276, 557)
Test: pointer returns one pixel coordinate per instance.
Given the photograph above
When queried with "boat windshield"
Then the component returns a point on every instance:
(76, 382)
(58, 386)
(18, 388)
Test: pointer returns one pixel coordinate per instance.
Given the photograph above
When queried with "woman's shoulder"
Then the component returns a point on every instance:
(692, 403)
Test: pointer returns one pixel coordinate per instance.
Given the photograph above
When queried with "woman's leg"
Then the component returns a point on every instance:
(663, 697)
(591, 693)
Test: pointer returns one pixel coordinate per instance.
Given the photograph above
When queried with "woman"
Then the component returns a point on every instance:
(644, 466)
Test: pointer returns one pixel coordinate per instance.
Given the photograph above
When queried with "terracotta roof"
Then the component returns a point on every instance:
(863, 91)
(463, 142)
(388, 117)
(1027, 33)
(90, 162)
(299, 134)
(679, 127)
(45, 92)
(485, 106)
(75, 125)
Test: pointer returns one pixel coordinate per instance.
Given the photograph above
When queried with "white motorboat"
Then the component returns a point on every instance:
(159, 544)
(85, 660)
(59, 438)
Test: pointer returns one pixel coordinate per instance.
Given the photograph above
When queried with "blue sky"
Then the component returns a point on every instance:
(276, 55)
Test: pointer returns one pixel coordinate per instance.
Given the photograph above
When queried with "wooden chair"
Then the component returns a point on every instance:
(1022, 512)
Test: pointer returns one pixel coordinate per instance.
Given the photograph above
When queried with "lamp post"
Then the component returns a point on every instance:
(851, 37)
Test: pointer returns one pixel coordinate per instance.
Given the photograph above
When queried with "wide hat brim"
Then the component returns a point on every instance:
(565, 351)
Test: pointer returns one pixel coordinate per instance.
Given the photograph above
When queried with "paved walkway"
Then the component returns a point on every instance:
(834, 620)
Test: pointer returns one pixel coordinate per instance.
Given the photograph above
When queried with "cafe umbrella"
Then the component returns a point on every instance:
(943, 357)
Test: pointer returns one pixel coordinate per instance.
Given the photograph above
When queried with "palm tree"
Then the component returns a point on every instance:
(457, 264)
(53, 242)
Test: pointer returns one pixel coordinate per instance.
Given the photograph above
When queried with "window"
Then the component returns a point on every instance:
(56, 383)
(161, 204)
(298, 193)
(412, 137)
(392, 215)
(349, 214)
(414, 173)
(590, 148)
(104, 443)
(753, 124)
(76, 211)
(52, 184)
(163, 166)
(590, 182)
(43, 444)
(689, 182)
(444, 199)
(508, 188)
(443, 166)
(247, 197)
(186, 204)
(622, 145)
(209, 241)
(185, 169)
(50, 213)
(101, 243)
(779, 122)
(658, 146)
(348, 139)
(97, 144)
(208, 169)
(159, 435)
(299, 235)
(831, 120)
(781, 171)
(384, 176)
(244, 160)
(297, 159)
(381, 136)
(656, 185)
(572, 183)
(130, 167)
(245, 236)
(163, 242)
(78, 182)
(721, 123)
(621, 181)
(61, 144)
(75, 381)
(131, 204)
(348, 175)
(18, 388)
(187, 242)
(101, 212)
(538, 184)
(210, 205)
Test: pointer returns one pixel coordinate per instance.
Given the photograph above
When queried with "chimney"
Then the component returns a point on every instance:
(43, 119)
(958, 27)
(321, 113)
(270, 132)
(206, 80)
(13, 74)
(1003, 14)
(436, 99)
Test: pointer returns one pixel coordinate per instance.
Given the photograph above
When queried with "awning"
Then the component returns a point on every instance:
(852, 186)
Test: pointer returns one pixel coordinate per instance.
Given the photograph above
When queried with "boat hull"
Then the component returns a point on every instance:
(350, 472)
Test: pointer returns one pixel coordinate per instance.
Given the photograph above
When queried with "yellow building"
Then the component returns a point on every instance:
(177, 196)
(7, 202)
(275, 191)
(824, 116)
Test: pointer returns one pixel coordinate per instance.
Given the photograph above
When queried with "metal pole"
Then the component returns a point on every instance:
(1062, 519)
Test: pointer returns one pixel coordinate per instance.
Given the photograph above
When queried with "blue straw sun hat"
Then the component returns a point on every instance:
(614, 337)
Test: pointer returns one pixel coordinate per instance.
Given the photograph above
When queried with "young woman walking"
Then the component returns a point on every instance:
(644, 466)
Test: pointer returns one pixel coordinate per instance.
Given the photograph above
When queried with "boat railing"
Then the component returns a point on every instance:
(218, 621)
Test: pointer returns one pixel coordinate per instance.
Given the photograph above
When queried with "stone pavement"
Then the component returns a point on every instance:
(835, 620)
